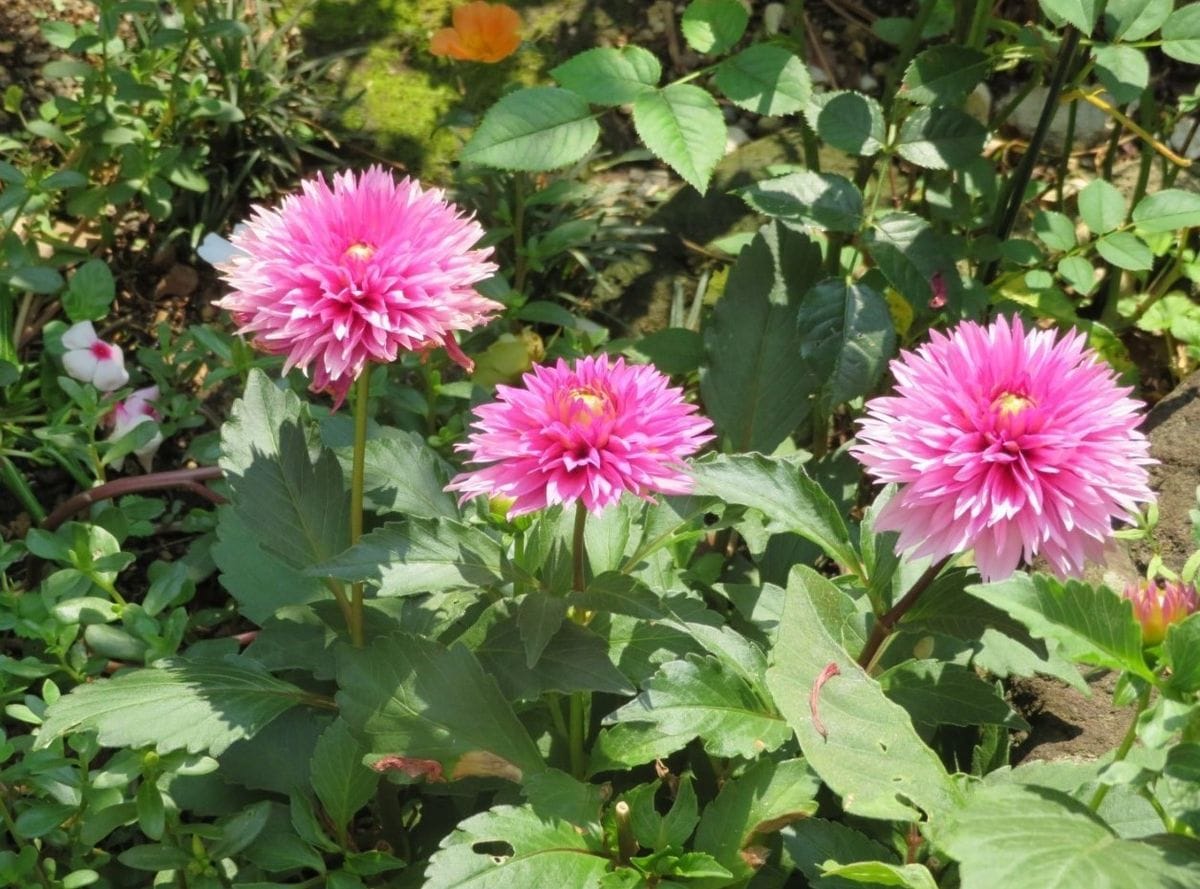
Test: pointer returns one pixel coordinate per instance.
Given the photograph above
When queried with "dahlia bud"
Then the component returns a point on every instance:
(1158, 604)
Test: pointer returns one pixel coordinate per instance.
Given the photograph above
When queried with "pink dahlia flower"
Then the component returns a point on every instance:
(586, 433)
(339, 277)
(1010, 442)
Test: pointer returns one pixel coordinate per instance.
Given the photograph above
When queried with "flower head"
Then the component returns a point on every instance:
(339, 277)
(482, 32)
(1014, 443)
(1157, 605)
(587, 433)
(91, 360)
(138, 408)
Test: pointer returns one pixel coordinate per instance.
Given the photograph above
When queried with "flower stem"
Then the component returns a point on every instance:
(362, 389)
(579, 699)
(885, 625)
(578, 729)
(578, 549)
(1126, 744)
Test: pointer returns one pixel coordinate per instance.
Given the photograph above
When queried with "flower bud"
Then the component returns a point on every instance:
(1157, 604)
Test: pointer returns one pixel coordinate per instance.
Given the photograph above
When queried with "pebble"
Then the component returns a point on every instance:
(772, 18)
(734, 138)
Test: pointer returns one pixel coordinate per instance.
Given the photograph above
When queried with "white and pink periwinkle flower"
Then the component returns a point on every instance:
(1014, 443)
(91, 360)
(341, 276)
(138, 408)
(587, 433)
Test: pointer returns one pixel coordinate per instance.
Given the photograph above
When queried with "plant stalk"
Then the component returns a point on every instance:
(1126, 746)
(362, 391)
(580, 700)
(885, 625)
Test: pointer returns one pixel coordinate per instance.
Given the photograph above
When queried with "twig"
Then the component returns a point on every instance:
(187, 479)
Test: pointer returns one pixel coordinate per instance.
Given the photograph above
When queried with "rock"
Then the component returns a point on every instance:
(772, 18)
(1091, 124)
(1179, 138)
(180, 280)
(735, 138)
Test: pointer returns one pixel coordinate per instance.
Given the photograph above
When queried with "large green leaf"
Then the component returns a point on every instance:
(860, 743)
(712, 26)
(610, 76)
(699, 697)
(1101, 206)
(767, 797)
(1126, 250)
(765, 79)
(1007, 833)
(401, 472)
(944, 75)
(196, 706)
(1170, 209)
(784, 493)
(849, 121)
(880, 873)
(417, 700)
(1181, 34)
(1083, 14)
(826, 200)
(1123, 70)
(909, 252)
(847, 338)
(419, 556)
(813, 841)
(754, 383)
(340, 780)
(941, 138)
(1135, 19)
(938, 693)
(534, 129)
(1179, 787)
(1092, 624)
(509, 847)
(295, 506)
(1181, 652)
(682, 124)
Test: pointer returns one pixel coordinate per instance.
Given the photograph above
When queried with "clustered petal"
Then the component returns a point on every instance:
(587, 433)
(1009, 442)
(1158, 604)
(339, 277)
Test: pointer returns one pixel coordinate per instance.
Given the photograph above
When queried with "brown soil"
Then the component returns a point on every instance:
(1066, 724)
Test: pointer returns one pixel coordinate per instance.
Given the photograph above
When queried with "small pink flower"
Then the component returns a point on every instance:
(1157, 605)
(1008, 442)
(91, 360)
(138, 408)
(586, 433)
(339, 277)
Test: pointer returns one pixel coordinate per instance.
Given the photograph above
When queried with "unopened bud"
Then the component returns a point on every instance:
(1158, 604)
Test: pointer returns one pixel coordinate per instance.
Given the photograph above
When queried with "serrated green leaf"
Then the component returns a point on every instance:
(765, 79)
(766, 798)
(90, 292)
(683, 126)
(1101, 206)
(712, 26)
(1178, 790)
(1181, 652)
(941, 138)
(1123, 70)
(419, 556)
(1135, 19)
(415, 699)
(826, 200)
(784, 493)
(944, 75)
(508, 847)
(181, 705)
(401, 472)
(753, 383)
(847, 339)
(908, 252)
(1055, 230)
(1126, 250)
(534, 129)
(296, 507)
(698, 697)
(1078, 273)
(610, 76)
(849, 121)
(880, 873)
(1083, 14)
(1181, 34)
(1004, 833)
(340, 780)
(1170, 209)
(814, 840)
(861, 744)
(1093, 625)
(938, 693)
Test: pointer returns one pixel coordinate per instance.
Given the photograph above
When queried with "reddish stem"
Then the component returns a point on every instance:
(187, 479)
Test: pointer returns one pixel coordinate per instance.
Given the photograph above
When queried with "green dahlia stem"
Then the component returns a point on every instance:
(578, 548)
(580, 699)
(1126, 745)
(362, 391)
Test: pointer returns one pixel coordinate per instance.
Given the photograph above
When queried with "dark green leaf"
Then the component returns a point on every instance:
(1181, 652)
(340, 780)
(754, 384)
(941, 138)
(765, 79)
(826, 200)
(849, 121)
(847, 338)
(534, 129)
(1083, 14)
(90, 292)
(944, 75)
(937, 693)
(1123, 70)
(1135, 19)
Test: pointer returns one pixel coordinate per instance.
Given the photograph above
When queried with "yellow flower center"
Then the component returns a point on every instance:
(360, 251)
(1010, 404)
(584, 405)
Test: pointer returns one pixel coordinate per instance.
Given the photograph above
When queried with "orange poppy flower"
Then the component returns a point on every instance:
(482, 32)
